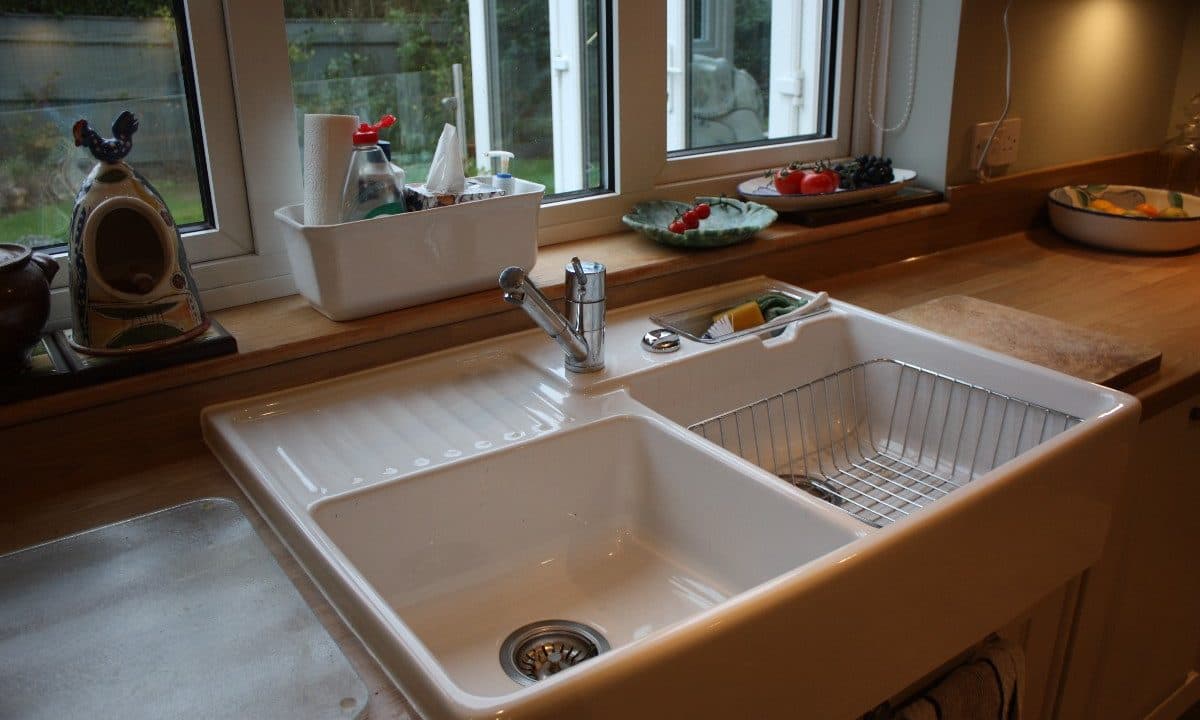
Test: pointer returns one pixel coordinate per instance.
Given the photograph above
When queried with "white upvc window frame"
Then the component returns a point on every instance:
(481, 92)
(243, 212)
(793, 99)
(677, 73)
(243, 80)
(567, 95)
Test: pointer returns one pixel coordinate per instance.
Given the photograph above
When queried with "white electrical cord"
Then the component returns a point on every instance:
(979, 171)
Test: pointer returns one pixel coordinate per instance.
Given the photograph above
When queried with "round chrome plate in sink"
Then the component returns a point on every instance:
(538, 650)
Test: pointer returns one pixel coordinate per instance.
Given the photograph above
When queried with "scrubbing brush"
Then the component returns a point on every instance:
(722, 327)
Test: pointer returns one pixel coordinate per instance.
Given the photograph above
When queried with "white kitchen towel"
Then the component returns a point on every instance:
(328, 141)
(988, 686)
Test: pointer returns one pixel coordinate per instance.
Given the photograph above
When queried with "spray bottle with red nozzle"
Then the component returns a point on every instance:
(371, 188)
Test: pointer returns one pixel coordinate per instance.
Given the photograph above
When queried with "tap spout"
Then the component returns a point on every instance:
(519, 290)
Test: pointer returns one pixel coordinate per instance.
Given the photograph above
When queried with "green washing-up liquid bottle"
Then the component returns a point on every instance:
(371, 187)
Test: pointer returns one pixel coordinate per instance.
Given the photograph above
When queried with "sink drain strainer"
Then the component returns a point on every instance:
(538, 650)
(813, 486)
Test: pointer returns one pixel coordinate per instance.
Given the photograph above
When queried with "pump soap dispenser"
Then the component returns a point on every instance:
(371, 188)
(504, 179)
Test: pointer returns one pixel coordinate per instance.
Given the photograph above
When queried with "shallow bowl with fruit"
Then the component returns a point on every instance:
(811, 186)
(1127, 217)
(706, 222)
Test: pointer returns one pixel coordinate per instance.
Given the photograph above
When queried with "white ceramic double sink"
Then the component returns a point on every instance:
(445, 502)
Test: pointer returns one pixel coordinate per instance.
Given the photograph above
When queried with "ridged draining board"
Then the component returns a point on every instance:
(181, 613)
(1086, 354)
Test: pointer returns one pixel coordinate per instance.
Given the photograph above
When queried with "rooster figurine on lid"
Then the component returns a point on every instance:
(131, 285)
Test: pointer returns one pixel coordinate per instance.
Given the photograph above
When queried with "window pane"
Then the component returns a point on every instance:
(73, 59)
(532, 79)
(745, 72)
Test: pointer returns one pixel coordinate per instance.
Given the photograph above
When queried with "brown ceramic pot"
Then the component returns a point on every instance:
(24, 302)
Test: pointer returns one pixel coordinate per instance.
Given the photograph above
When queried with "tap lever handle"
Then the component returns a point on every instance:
(585, 281)
(579, 273)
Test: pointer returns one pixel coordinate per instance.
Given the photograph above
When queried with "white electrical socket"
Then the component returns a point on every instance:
(1003, 150)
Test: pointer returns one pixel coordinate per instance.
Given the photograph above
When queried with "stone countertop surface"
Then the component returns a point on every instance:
(1085, 353)
(1154, 301)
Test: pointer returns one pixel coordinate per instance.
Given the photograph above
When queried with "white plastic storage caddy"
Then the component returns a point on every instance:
(361, 268)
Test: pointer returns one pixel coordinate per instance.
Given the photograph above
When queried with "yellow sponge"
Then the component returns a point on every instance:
(746, 315)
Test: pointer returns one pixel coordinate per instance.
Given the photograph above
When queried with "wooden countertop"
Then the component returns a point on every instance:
(1151, 300)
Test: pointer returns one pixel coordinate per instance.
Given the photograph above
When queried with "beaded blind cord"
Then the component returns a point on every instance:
(912, 69)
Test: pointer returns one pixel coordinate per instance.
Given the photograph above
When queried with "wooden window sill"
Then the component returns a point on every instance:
(285, 329)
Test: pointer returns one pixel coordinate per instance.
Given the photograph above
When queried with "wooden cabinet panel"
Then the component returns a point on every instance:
(1139, 622)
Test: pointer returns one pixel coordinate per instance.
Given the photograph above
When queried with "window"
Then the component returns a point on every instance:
(92, 59)
(517, 75)
(746, 72)
(601, 100)
(796, 56)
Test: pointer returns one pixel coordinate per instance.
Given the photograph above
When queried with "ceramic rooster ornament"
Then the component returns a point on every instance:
(131, 285)
(107, 150)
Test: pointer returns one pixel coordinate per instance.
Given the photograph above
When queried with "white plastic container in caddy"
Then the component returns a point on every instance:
(355, 269)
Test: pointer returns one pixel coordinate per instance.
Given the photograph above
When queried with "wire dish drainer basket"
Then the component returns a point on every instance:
(883, 439)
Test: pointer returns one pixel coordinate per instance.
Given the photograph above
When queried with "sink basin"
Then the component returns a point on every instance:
(677, 507)
(624, 525)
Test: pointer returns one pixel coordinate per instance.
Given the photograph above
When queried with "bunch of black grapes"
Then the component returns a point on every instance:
(865, 171)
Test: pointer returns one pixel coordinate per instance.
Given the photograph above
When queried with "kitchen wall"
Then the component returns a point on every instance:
(1090, 77)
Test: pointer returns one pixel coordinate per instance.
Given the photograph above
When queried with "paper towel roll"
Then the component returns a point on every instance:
(328, 141)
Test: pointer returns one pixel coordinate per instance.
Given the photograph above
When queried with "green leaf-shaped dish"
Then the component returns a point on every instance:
(731, 221)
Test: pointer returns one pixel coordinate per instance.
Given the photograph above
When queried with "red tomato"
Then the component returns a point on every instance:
(833, 175)
(818, 184)
(703, 210)
(677, 227)
(691, 220)
(788, 182)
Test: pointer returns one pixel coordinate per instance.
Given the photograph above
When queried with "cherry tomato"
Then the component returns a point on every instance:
(691, 219)
(818, 184)
(677, 227)
(788, 181)
(703, 210)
